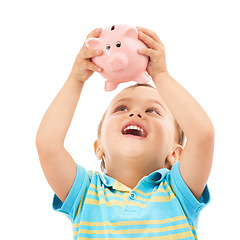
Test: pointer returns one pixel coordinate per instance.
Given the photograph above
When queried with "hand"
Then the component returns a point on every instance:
(155, 50)
(83, 68)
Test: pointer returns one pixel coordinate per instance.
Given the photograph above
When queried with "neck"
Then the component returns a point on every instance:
(131, 171)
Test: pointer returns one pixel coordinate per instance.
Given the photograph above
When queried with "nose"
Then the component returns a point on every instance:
(135, 114)
(117, 62)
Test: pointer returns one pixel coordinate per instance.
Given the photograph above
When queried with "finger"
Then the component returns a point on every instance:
(91, 66)
(95, 33)
(150, 42)
(150, 33)
(90, 53)
(149, 52)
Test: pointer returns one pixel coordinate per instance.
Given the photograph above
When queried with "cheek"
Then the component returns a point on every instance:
(163, 133)
(104, 133)
(109, 133)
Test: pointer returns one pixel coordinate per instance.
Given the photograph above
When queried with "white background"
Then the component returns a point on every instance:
(38, 45)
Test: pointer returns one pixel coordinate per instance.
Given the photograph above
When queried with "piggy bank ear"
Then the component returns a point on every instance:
(92, 43)
(131, 33)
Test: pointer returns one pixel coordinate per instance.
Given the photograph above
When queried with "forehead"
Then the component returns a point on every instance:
(138, 94)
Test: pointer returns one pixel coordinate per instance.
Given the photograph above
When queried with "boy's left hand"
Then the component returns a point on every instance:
(155, 50)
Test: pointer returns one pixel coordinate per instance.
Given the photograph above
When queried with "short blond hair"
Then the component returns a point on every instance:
(180, 136)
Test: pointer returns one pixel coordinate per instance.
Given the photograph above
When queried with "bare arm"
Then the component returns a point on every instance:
(197, 156)
(57, 164)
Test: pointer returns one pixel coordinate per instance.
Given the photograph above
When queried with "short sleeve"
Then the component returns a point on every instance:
(191, 206)
(78, 190)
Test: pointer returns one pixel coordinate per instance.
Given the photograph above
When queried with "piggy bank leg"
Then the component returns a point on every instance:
(110, 85)
(142, 78)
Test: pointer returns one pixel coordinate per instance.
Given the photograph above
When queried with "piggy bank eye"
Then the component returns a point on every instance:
(112, 28)
(118, 44)
(108, 46)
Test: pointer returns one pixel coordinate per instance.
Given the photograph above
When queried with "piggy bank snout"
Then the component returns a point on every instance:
(117, 62)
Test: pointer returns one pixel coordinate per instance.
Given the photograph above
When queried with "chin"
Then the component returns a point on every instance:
(132, 151)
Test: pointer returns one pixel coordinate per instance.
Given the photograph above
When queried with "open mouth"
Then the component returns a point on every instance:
(134, 130)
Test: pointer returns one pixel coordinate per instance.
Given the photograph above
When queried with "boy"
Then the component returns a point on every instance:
(152, 188)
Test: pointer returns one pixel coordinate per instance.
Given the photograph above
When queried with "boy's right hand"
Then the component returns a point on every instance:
(83, 68)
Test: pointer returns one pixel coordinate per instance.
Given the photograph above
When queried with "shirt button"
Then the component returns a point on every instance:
(133, 195)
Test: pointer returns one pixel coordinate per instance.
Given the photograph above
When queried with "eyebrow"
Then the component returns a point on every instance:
(148, 100)
(157, 102)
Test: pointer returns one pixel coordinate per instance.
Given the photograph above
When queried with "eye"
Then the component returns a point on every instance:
(153, 110)
(118, 44)
(121, 108)
(108, 46)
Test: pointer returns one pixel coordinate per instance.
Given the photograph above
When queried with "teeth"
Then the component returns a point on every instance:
(134, 128)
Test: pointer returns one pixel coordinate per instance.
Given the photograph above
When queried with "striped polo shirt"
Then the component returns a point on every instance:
(161, 206)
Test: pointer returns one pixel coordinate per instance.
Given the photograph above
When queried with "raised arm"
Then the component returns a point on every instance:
(196, 160)
(57, 164)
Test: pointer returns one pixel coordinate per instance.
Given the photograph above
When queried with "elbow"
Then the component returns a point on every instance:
(41, 145)
(202, 134)
(207, 134)
(45, 144)
(40, 141)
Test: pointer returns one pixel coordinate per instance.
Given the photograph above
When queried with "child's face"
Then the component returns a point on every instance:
(138, 126)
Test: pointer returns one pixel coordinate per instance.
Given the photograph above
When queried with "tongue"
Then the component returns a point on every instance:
(133, 132)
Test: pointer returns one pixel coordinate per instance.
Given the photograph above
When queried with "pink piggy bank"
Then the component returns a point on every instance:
(120, 60)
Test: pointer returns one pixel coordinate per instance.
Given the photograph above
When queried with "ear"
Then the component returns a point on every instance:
(131, 33)
(173, 157)
(98, 149)
(92, 43)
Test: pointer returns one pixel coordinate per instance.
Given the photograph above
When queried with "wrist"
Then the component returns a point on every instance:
(76, 82)
(77, 79)
(161, 76)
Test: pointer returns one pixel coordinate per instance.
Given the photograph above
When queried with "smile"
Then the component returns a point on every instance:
(135, 130)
